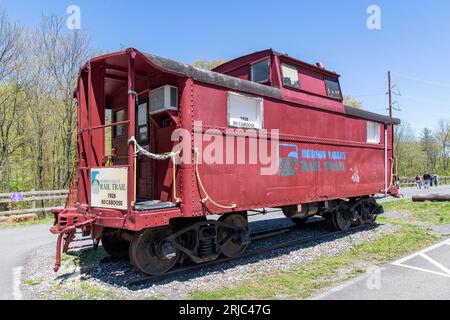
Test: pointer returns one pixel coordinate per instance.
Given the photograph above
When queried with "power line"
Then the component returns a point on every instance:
(427, 100)
(433, 83)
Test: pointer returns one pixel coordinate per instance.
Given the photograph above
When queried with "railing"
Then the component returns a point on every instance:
(411, 181)
(32, 197)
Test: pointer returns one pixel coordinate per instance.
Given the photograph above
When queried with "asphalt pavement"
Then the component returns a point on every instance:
(15, 245)
(424, 275)
(409, 192)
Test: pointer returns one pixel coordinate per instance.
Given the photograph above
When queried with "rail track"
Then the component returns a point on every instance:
(255, 237)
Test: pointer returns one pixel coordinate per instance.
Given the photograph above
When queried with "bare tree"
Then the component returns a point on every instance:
(62, 54)
(443, 138)
(10, 34)
(12, 84)
(403, 142)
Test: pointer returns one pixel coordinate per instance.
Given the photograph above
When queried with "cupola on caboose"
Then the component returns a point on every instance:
(170, 158)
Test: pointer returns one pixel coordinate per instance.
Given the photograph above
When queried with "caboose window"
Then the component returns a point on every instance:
(290, 76)
(373, 132)
(333, 89)
(119, 130)
(260, 71)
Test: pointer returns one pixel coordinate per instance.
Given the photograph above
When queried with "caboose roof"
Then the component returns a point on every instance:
(284, 56)
(212, 77)
(118, 59)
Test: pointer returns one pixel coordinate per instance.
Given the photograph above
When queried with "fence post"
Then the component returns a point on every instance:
(33, 203)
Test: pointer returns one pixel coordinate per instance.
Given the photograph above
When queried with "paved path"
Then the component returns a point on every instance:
(424, 275)
(15, 245)
(409, 192)
(419, 276)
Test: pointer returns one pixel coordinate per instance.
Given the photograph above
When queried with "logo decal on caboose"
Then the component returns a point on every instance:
(287, 159)
(311, 160)
(95, 184)
(109, 188)
(355, 175)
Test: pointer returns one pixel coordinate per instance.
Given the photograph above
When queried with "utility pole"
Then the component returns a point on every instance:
(390, 94)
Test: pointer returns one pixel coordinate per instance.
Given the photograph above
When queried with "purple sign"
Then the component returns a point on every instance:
(17, 197)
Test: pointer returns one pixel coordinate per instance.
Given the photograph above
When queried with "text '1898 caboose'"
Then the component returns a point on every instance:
(162, 145)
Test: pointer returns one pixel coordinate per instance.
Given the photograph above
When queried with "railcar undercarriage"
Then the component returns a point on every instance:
(155, 251)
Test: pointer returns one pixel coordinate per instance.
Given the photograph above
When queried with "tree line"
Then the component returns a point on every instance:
(38, 73)
(427, 152)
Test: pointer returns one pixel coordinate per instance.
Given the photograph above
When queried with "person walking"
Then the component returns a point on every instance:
(428, 180)
(436, 180)
(418, 182)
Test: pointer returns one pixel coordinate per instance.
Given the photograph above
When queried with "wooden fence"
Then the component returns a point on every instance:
(37, 200)
(411, 181)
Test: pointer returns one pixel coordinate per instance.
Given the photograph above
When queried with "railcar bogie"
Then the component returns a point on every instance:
(156, 250)
(341, 213)
(114, 243)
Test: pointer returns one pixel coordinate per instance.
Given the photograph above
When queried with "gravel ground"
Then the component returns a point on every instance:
(97, 276)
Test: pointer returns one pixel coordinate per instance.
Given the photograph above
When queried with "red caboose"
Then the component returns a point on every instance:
(161, 145)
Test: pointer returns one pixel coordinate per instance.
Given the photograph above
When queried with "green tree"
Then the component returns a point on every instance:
(429, 146)
(443, 139)
(352, 102)
(207, 64)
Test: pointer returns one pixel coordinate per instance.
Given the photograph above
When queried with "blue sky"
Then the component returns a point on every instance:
(414, 40)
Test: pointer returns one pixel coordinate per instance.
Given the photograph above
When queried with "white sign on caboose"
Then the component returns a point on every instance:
(245, 111)
(109, 188)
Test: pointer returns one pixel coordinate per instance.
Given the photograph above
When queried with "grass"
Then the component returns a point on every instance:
(88, 291)
(46, 220)
(310, 278)
(437, 213)
(34, 282)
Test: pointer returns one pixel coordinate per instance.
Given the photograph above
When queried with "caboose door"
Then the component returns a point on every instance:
(143, 165)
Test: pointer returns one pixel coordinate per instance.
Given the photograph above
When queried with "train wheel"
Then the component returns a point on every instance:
(114, 245)
(342, 218)
(369, 211)
(234, 247)
(151, 254)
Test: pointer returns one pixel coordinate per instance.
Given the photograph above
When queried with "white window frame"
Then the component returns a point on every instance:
(260, 116)
(373, 132)
(287, 65)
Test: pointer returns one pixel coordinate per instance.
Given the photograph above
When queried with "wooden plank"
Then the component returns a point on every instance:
(7, 200)
(22, 211)
(36, 193)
